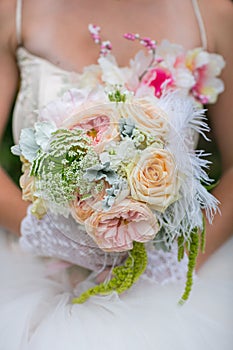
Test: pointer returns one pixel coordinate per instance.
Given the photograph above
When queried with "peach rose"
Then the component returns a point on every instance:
(147, 116)
(116, 229)
(27, 183)
(82, 209)
(154, 179)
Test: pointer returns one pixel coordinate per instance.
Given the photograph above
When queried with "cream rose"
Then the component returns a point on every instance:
(155, 179)
(146, 115)
(116, 229)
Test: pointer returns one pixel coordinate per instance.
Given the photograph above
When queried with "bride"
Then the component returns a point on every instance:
(45, 45)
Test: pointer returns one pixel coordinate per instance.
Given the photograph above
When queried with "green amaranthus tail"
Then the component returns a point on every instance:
(123, 276)
(192, 256)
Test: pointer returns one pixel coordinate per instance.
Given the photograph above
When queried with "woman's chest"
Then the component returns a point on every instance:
(65, 40)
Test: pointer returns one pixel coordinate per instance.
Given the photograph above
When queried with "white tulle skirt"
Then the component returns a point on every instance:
(36, 311)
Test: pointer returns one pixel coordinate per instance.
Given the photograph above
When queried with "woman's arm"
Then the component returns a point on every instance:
(221, 117)
(12, 207)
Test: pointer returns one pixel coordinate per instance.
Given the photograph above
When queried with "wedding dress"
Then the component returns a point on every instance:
(35, 297)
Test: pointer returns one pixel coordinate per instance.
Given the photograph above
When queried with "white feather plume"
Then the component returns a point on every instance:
(187, 121)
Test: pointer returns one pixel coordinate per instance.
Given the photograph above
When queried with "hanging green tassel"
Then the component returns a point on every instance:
(180, 242)
(203, 235)
(193, 252)
(123, 276)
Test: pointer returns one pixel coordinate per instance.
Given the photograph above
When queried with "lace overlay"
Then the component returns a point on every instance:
(45, 238)
(163, 267)
(65, 239)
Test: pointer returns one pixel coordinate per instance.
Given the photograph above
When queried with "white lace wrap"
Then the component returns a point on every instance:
(66, 240)
(163, 266)
(63, 238)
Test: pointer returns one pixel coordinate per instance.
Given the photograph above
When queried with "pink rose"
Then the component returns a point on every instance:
(116, 229)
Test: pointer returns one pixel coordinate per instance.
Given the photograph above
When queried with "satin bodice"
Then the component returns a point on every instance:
(41, 82)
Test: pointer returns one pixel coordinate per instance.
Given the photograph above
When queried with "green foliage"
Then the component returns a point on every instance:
(117, 96)
(8, 161)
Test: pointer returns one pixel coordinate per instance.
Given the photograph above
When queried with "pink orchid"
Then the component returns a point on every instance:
(158, 78)
(205, 67)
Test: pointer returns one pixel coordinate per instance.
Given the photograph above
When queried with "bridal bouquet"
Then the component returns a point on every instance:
(119, 156)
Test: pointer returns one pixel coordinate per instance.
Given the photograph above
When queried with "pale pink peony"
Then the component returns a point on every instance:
(95, 127)
(72, 102)
(100, 121)
(115, 230)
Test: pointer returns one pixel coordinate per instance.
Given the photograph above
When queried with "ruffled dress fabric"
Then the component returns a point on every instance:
(36, 312)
